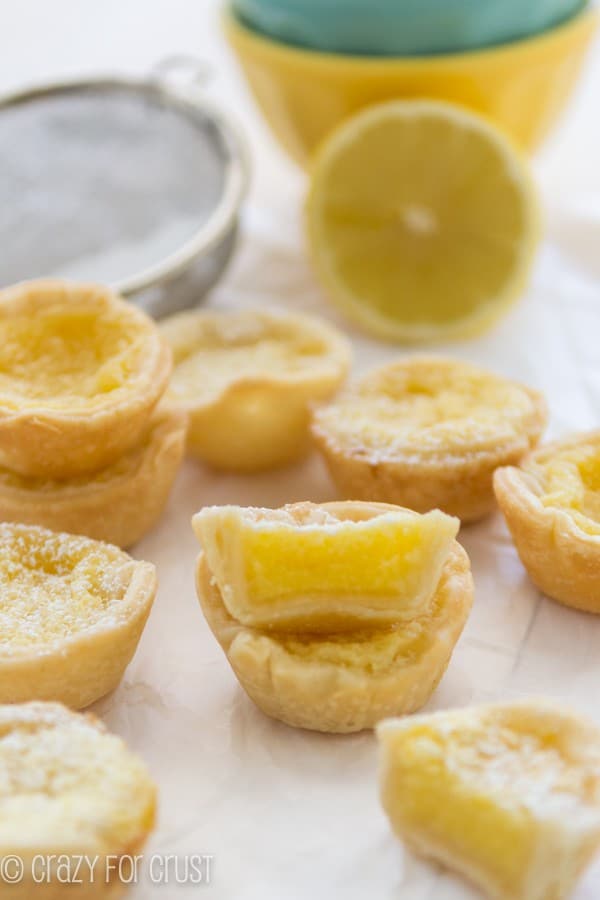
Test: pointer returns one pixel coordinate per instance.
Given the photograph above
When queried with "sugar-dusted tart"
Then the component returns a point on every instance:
(72, 611)
(386, 659)
(80, 372)
(120, 503)
(76, 805)
(247, 380)
(551, 504)
(428, 432)
(506, 795)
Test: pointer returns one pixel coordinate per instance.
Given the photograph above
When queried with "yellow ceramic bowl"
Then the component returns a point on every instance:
(522, 86)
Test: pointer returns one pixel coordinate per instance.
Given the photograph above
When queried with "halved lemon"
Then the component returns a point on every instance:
(422, 221)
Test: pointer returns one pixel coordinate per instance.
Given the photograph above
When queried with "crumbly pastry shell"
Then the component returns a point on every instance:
(561, 559)
(118, 504)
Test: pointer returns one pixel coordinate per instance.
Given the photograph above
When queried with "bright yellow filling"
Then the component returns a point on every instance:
(304, 569)
(571, 481)
(68, 787)
(212, 351)
(66, 356)
(474, 788)
(54, 585)
(376, 652)
(429, 407)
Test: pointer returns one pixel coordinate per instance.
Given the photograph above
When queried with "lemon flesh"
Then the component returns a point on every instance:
(422, 221)
(317, 573)
(509, 796)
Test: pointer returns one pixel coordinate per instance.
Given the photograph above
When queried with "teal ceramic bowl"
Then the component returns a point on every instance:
(402, 27)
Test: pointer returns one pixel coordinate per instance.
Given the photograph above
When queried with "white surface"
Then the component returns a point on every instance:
(291, 815)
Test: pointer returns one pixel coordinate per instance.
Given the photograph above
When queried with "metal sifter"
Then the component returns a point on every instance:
(132, 182)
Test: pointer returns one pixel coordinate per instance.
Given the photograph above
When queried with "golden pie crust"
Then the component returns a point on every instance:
(80, 372)
(346, 681)
(118, 504)
(426, 433)
(72, 611)
(507, 795)
(247, 380)
(551, 504)
(69, 788)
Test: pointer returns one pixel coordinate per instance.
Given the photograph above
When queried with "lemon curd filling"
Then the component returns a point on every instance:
(65, 356)
(485, 791)
(374, 652)
(570, 481)
(436, 406)
(213, 351)
(53, 585)
(304, 568)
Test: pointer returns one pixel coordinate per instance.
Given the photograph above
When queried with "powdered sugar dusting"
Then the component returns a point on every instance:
(53, 585)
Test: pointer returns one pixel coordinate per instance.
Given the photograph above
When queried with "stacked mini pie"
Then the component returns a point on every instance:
(83, 448)
(334, 616)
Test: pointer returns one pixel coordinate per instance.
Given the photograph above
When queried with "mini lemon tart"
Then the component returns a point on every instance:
(69, 789)
(428, 432)
(72, 611)
(247, 380)
(507, 795)
(80, 372)
(119, 504)
(346, 679)
(336, 567)
(552, 507)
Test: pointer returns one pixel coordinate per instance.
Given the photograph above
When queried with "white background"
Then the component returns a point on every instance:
(292, 815)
